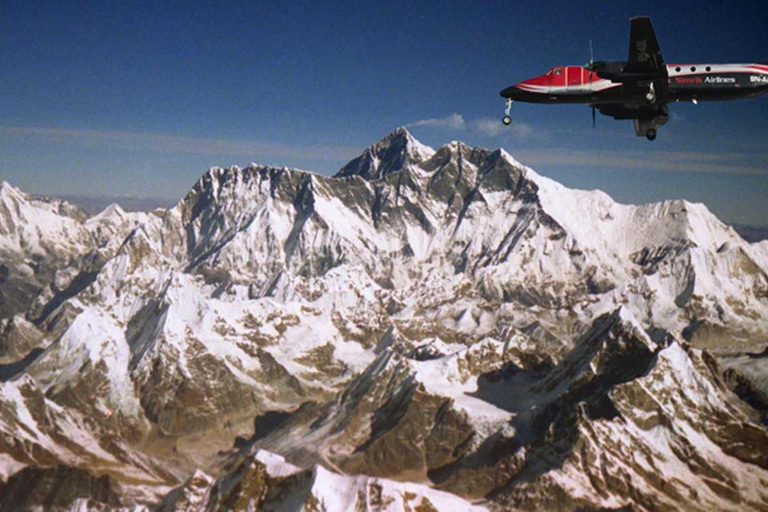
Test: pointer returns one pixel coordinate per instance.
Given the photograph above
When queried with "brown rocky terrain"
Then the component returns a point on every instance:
(427, 330)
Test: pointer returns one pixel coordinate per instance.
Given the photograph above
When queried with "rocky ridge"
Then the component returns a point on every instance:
(448, 318)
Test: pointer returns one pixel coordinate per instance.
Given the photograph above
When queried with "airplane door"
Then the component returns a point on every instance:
(573, 76)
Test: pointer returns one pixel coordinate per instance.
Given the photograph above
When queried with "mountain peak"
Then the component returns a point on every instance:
(7, 188)
(400, 135)
(114, 210)
(511, 327)
(395, 151)
(401, 131)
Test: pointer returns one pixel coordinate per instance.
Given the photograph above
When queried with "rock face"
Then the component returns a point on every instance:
(57, 488)
(425, 330)
(266, 481)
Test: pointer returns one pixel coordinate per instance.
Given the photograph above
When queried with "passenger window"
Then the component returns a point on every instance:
(693, 68)
(559, 71)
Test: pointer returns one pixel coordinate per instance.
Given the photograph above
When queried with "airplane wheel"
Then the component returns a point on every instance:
(506, 120)
(650, 134)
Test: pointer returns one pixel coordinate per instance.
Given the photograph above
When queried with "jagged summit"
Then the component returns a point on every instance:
(395, 151)
(8, 190)
(113, 209)
(450, 317)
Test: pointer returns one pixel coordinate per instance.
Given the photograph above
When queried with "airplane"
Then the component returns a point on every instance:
(641, 88)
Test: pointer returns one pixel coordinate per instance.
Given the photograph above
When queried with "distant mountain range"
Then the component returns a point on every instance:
(427, 330)
(95, 204)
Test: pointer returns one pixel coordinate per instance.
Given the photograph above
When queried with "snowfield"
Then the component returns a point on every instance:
(427, 330)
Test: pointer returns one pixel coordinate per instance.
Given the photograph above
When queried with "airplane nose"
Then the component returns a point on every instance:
(510, 92)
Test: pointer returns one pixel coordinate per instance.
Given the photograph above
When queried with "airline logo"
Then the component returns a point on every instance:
(720, 80)
(705, 80)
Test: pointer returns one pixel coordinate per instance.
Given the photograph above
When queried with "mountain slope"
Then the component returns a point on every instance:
(449, 318)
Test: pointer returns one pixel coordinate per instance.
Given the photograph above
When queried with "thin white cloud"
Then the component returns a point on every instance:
(483, 126)
(179, 144)
(676, 161)
(494, 128)
(488, 127)
(454, 121)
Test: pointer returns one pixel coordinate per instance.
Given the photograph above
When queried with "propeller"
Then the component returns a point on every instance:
(591, 74)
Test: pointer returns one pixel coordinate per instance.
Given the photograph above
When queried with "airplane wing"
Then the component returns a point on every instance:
(644, 52)
(621, 112)
(647, 119)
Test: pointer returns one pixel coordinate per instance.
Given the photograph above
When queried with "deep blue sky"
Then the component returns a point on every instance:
(140, 99)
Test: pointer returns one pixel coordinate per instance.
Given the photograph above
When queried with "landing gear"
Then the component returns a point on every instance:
(648, 126)
(507, 119)
(651, 94)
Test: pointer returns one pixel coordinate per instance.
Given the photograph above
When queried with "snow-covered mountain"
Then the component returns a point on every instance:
(446, 318)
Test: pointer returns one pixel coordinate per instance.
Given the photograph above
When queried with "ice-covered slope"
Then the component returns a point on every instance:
(711, 277)
(267, 481)
(513, 233)
(48, 250)
(406, 319)
(36, 227)
(619, 421)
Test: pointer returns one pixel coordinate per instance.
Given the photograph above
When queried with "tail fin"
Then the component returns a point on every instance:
(644, 51)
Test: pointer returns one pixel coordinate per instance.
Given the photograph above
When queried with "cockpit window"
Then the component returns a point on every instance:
(549, 73)
(559, 71)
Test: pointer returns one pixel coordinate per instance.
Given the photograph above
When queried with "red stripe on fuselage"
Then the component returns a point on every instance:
(564, 79)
